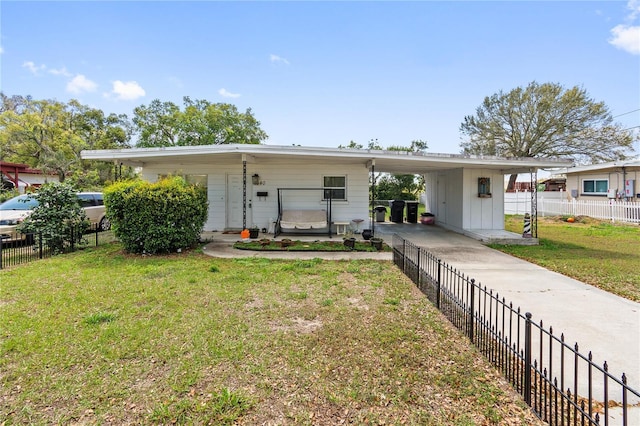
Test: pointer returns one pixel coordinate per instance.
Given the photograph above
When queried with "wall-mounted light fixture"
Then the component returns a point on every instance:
(255, 179)
(484, 187)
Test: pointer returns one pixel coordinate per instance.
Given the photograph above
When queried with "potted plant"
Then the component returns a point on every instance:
(350, 242)
(285, 242)
(376, 242)
(254, 232)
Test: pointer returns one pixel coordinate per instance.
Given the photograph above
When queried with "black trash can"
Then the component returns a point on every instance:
(381, 211)
(412, 211)
(397, 211)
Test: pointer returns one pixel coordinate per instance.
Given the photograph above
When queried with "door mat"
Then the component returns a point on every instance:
(231, 232)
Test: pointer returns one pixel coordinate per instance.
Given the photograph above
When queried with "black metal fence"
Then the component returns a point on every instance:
(30, 247)
(562, 385)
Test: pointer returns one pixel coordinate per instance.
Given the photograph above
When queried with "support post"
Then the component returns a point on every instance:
(373, 198)
(244, 192)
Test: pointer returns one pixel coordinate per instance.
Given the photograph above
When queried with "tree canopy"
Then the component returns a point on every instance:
(199, 123)
(545, 120)
(393, 186)
(49, 135)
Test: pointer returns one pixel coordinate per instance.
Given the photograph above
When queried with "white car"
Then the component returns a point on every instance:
(14, 211)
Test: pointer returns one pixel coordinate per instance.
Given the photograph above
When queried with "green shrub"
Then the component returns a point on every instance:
(58, 219)
(156, 217)
(7, 194)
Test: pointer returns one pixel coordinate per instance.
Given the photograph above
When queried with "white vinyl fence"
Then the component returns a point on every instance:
(557, 203)
(520, 202)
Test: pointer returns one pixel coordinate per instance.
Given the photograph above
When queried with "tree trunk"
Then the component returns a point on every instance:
(512, 183)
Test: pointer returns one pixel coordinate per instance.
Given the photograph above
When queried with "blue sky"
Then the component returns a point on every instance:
(323, 73)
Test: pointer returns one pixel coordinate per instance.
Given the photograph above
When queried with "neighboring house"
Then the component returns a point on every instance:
(614, 180)
(22, 176)
(465, 193)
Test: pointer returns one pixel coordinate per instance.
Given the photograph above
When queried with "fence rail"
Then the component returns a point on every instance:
(613, 210)
(32, 247)
(557, 203)
(562, 385)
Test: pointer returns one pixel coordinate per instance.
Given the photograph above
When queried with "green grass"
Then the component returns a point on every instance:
(599, 253)
(102, 337)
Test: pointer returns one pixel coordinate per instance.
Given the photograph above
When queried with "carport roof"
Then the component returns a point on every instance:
(385, 161)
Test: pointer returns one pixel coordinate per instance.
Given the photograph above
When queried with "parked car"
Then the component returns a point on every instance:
(15, 210)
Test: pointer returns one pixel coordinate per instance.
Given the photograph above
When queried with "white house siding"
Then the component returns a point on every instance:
(445, 198)
(616, 181)
(483, 213)
(274, 175)
(452, 196)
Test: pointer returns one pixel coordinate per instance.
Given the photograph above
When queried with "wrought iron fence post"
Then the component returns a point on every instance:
(625, 415)
(438, 284)
(404, 256)
(1, 253)
(40, 246)
(471, 305)
(527, 359)
(418, 267)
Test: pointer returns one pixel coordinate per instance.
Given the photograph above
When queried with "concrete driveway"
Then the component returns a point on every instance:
(604, 324)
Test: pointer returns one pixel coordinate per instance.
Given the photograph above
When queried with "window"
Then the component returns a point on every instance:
(595, 186)
(86, 200)
(335, 187)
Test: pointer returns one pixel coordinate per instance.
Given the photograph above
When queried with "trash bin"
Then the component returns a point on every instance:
(381, 211)
(427, 218)
(412, 211)
(397, 211)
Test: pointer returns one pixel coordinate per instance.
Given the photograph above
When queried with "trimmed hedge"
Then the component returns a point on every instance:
(159, 217)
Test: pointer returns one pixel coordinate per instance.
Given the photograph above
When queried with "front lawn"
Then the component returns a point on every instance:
(101, 337)
(596, 252)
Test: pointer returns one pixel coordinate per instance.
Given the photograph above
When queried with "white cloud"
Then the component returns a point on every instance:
(127, 90)
(626, 38)
(277, 59)
(1, 50)
(80, 84)
(225, 93)
(35, 69)
(634, 6)
(61, 71)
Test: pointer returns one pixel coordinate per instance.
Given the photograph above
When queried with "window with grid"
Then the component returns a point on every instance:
(595, 186)
(335, 187)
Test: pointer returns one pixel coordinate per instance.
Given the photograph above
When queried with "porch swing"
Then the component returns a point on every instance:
(304, 221)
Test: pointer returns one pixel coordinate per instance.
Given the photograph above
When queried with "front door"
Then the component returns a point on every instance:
(234, 202)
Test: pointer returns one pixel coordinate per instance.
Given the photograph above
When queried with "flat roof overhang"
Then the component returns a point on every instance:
(385, 161)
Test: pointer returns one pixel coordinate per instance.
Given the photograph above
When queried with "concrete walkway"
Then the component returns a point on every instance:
(605, 324)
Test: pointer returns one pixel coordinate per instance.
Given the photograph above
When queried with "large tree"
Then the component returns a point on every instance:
(545, 120)
(199, 123)
(50, 135)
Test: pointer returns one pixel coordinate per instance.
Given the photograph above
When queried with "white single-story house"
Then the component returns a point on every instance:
(613, 180)
(250, 185)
